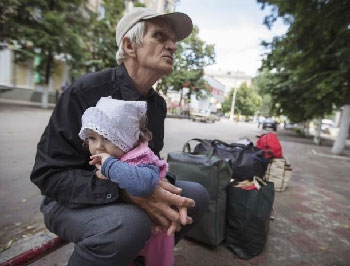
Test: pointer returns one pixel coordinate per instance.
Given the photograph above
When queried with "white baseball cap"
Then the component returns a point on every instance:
(180, 22)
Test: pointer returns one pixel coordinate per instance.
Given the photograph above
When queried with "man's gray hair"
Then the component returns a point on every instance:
(135, 34)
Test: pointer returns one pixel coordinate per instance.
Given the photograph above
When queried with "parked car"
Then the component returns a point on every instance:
(204, 116)
(326, 125)
(270, 123)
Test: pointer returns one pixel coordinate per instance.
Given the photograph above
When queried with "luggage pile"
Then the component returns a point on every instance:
(241, 179)
(279, 170)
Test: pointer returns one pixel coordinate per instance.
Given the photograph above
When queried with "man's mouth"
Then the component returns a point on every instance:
(169, 57)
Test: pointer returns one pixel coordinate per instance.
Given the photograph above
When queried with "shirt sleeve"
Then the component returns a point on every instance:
(61, 169)
(139, 180)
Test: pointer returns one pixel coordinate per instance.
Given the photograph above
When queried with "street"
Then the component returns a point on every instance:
(20, 199)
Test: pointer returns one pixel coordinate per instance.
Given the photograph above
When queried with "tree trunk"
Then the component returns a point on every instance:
(45, 92)
(49, 66)
(307, 128)
(181, 97)
(317, 136)
(340, 141)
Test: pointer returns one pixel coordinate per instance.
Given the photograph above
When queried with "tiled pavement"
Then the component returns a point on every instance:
(312, 217)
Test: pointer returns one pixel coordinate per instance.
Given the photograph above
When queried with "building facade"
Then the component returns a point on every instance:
(22, 75)
(231, 80)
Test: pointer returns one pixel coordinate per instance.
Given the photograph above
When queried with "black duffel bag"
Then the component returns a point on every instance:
(246, 161)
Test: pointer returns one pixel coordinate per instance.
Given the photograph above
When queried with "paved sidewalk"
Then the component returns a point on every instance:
(312, 217)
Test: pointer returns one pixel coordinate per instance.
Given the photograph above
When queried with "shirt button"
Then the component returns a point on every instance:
(109, 196)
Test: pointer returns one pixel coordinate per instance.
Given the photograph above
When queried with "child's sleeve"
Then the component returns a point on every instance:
(137, 180)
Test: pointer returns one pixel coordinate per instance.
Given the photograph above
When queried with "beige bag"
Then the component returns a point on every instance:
(279, 171)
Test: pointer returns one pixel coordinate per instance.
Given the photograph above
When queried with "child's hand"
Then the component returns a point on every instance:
(99, 175)
(98, 159)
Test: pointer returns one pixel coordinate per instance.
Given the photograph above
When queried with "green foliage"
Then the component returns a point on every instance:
(191, 57)
(46, 29)
(65, 29)
(247, 101)
(262, 84)
(226, 104)
(309, 65)
(139, 4)
(101, 38)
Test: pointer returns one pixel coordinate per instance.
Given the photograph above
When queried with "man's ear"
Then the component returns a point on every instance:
(129, 47)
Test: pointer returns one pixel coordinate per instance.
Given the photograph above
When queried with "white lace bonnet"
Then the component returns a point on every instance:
(116, 120)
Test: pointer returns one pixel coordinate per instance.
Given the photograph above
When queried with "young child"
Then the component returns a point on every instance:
(117, 136)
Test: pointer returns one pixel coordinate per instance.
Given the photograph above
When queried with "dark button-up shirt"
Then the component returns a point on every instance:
(61, 169)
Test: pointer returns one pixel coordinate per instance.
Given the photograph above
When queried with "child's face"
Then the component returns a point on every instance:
(98, 144)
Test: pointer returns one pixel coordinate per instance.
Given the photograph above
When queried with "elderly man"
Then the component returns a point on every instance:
(108, 226)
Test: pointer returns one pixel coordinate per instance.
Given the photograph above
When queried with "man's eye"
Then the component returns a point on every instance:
(160, 36)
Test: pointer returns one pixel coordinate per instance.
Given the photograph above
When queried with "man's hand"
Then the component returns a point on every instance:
(165, 206)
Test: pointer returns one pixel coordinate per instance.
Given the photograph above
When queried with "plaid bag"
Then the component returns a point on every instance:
(214, 173)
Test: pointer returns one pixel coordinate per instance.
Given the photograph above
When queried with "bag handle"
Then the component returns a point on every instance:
(187, 148)
(215, 142)
(187, 145)
(258, 179)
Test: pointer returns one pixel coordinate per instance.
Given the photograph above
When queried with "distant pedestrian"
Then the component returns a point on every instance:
(260, 121)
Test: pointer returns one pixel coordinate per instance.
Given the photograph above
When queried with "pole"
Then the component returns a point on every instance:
(232, 113)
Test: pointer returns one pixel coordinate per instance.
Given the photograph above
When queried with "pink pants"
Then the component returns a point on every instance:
(159, 250)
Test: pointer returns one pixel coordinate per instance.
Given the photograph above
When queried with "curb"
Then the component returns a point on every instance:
(31, 249)
(331, 156)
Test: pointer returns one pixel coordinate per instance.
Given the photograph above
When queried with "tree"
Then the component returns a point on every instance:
(248, 101)
(261, 84)
(46, 28)
(310, 64)
(191, 57)
(101, 38)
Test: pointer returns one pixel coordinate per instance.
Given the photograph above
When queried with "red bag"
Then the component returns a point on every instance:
(270, 144)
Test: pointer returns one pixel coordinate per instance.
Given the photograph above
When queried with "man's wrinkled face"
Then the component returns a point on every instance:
(158, 47)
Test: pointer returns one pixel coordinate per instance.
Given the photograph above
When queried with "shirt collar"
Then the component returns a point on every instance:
(127, 89)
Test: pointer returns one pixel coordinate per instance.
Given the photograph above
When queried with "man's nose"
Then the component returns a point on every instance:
(171, 45)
